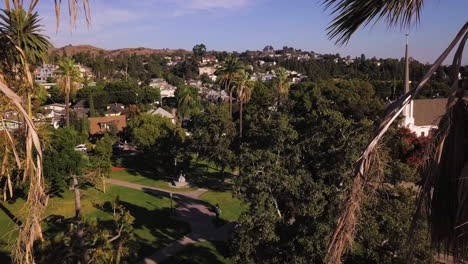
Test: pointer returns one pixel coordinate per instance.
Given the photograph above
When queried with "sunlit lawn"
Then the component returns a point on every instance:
(153, 227)
(135, 177)
(231, 207)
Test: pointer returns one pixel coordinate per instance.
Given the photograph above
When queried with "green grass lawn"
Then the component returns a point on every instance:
(135, 177)
(153, 227)
(231, 207)
(201, 253)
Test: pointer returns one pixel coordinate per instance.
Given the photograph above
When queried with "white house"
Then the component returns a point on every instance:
(207, 70)
(166, 89)
(45, 71)
(160, 111)
(56, 107)
(55, 113)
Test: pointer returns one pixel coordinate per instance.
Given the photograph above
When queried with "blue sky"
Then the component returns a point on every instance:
(250, 24)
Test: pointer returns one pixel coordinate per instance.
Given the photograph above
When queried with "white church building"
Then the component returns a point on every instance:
(423, 115)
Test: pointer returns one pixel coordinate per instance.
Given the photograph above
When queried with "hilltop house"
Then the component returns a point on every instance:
(166, 89)
(45, 71)
(207, 60)
(100, 125)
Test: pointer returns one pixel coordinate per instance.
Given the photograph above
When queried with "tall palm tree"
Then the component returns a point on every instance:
(187, 100)
(227, 72)
(282, 76)
(244, 87)
(25, 45)
(69, 80)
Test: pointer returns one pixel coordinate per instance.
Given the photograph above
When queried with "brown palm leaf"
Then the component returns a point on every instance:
(343, 236)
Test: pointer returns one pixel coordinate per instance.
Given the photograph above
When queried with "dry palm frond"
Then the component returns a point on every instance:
(343, 235)
(444, 195)
(352, 14)
(73, 6)
(30, 230)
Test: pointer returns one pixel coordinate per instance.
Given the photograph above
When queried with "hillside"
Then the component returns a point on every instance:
(71, 50)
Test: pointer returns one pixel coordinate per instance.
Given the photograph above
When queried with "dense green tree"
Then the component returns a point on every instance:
(100, 159)
(148, 131)
(214, 135)
(123, 92)
(148, 95)
(295, 167)
(199, 50)
(61, 160)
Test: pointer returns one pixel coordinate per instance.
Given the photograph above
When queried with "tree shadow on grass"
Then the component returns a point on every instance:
(198, 174)
(10, 215)
(199, 254)
(4, 255)
(157, 222)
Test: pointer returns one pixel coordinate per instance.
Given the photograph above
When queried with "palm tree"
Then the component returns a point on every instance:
(350, 15)
(68, 79)
(244, 88)
(282, 76)
(187, 100)
(21, 34)
(227, 72)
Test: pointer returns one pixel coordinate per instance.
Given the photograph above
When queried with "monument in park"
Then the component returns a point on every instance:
(181, 182)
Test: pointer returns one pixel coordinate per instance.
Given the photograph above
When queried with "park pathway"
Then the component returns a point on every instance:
(196, 212)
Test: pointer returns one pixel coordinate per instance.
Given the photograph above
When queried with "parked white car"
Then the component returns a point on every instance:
(81, 147)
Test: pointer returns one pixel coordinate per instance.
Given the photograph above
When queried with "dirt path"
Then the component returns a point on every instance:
(196, 212)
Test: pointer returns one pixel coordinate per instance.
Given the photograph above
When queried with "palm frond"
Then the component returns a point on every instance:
(350, 15)
(343, 236)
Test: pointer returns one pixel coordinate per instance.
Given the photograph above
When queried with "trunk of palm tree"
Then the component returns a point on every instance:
(67, 103)
(230, 102)
(77, 197)
(103, 184)
(29, 105)
(79, 230)
(240, 118)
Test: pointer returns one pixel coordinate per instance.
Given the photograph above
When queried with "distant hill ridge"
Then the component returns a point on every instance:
(71, 50)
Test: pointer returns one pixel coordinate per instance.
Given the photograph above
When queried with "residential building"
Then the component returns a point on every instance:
(161, 112)
(10, 125)
(45, 71)
(208, 60)
(53, 114)
(114, 110)
(166, 89)
(55, 107)
(207, 70)
(85, 72)
(100, 125)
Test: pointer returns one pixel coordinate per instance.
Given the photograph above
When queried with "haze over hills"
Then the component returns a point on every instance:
(71, 50)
